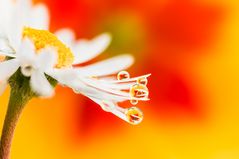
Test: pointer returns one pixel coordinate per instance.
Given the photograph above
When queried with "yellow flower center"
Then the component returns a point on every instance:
(43, 38)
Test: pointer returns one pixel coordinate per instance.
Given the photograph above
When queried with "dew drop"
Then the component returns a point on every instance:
(122, 75)
(134, 102)
(142, 81)
(139, 91)
(134, 115)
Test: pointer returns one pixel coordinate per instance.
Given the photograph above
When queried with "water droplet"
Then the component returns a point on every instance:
(122, 75)
(139, 91)
(134, 102)
(134, 115)
(142, 81)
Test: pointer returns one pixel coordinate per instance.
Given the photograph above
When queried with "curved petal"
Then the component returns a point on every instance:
(40, 84)
(88, 91)
(6, 7)
(107, 67)
(111, 107)
(46, 59)
(63, 76)
(5, 48)
(18, 20)
(8, 68)
(85, 50)
(26, 52)
(67, 36)
(39, 17)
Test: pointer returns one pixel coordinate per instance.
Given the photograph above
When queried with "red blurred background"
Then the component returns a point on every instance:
(190, 47)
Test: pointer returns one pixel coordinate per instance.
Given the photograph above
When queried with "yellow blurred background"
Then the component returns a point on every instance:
(191, 47)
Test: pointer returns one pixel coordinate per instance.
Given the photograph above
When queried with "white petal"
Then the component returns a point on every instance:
(64, 76)
(26, 52)
(40, 84)
(39, 18)
(18, 21)
(8, 68)
(85, 50)
(6, 7)
(119, 86)
(95, 93)
(107, 67)
(5, 48)
(103, 86)
(114, 108)
(3, 86)
(46, 59)
(67, 36)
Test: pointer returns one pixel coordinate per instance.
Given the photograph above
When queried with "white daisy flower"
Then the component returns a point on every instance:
(36, 60)
(38, 53)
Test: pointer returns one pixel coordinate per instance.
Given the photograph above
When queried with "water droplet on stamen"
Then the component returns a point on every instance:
(134, 102)
(142, 81)
(134, 115)
(139, 91)
(122, 75)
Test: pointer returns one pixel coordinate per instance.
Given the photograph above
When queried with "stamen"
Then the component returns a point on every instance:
(43, 38)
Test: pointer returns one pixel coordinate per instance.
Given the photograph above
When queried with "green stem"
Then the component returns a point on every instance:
(21, 93)
(16, 104)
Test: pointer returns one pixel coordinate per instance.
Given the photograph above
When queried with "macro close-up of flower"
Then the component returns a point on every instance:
(119, 79)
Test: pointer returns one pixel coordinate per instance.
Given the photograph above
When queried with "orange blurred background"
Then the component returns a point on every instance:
(191, 47)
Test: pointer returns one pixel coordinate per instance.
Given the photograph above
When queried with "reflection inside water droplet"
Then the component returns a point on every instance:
(134, 115)
(142, 81)
(122, 75)
(139, 91)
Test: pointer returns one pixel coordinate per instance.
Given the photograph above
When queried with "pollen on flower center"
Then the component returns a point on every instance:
(43, 38)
